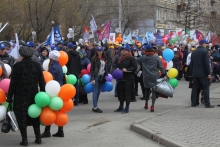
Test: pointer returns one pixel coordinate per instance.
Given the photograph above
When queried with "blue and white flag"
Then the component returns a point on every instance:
(138, 38)
(149, 36)
(54, 36)
(15, 50)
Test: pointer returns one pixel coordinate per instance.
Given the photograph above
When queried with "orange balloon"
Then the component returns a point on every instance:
(63, 59)
(2, 96)
(47, 76)
(0, 71)
(67, 91)
(61, 118)
(67, 106)
(47, 116)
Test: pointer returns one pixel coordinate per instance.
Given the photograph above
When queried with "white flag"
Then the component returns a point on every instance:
(15, 51)
(208, 37)
(135, 33)
(111, 37)
(93, 25)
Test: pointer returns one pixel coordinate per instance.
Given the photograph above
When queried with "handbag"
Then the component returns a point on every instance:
(6, 126)
(101, 79)
(164, 88)
(13, 121)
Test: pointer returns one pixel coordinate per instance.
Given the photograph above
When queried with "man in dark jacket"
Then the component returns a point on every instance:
(74, 67)
(93, 50)
(201, 71)
(108, 54)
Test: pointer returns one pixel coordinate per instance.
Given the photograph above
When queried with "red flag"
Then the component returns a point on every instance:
(213, 40)
(199, 35)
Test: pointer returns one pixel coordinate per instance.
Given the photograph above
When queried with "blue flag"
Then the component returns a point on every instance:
(149, 36)
(54, 37)
(139, 38)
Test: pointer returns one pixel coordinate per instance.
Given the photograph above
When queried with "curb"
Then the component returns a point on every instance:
(161, 139)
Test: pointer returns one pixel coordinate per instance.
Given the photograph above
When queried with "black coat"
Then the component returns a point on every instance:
(74, 63)
(25, 77)
(200, 63)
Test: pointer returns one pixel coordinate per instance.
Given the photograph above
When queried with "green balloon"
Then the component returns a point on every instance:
(64, 69)
(83, 84)
(71, 79)
(173, 82)
(42, 99)
(5, 104)
(56, 103)
(34, 111)
(79, 82)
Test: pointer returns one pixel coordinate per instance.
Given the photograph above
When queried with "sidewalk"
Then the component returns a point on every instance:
(185, 127)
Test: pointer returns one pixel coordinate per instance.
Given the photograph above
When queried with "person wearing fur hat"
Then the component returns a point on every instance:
(56, 70)
(151, 63)
(128, 65)
(25, 77)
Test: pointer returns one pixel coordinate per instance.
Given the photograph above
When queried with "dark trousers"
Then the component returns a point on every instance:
(142, 87)
(178, 69)
(76, 98)
(125, 89)
(200, 83)
(136, 85)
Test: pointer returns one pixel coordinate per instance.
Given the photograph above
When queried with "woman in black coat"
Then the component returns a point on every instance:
(128, 65)
(25, 77)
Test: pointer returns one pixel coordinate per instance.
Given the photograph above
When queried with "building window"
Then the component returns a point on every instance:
(165, 15)
(158, 14)
(171, 15)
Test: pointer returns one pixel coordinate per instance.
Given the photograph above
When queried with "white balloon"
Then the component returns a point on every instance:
(8, 69)
(3, 111)
(81, 40)
(52, 88)
(169, 65)
(46, 64)
(70, 29)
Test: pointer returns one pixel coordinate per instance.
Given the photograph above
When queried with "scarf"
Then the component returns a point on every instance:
(123, 57)
(149, 53)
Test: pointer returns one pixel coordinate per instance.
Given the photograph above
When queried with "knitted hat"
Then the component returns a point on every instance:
(70, 45)
(54, 55)
(25, 51)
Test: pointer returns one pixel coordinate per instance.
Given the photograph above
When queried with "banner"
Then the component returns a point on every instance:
(15, 51)
(111, 37)
(135, 33)
(104, 31)
(159, 40)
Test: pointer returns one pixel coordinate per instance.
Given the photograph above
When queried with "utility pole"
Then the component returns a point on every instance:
(120, 14)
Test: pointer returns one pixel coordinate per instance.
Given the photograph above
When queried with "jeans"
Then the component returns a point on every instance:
(109, 65)
(76, 98)
(96, 92)
(204, 85)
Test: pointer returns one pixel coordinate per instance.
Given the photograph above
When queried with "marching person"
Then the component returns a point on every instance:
(98, 72)
(128, 65)
(151, 63)
(56, 70)
(25, 77)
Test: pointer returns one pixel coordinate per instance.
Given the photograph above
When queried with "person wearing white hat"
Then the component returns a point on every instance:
(56, 70)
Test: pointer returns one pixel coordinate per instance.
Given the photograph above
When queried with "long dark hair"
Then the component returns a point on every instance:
(103, 56)
(50, 63)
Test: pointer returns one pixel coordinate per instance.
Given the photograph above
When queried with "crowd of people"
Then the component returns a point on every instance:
(139, 63)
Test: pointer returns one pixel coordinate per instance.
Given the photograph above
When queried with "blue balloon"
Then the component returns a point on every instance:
(88, 88)
(86, 78)
(108, 86)
(168, 54)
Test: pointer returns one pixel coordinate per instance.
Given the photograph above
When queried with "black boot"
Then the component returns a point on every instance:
(37, 135)
(59, 133)
(46, 132)
(120, 108)
(126, 110)
(24, 137)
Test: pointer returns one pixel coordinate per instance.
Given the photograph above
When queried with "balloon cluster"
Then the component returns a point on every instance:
(167, 62)
(53, 104)
(88, 86)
